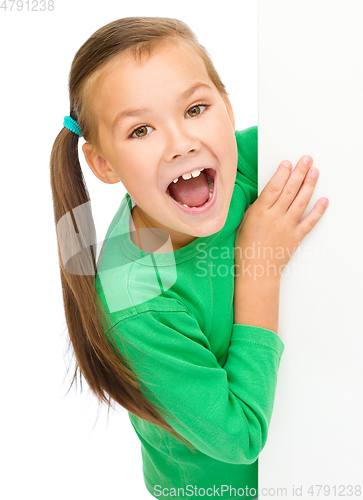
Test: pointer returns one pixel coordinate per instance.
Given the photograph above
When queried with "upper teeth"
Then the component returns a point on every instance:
(188, 175)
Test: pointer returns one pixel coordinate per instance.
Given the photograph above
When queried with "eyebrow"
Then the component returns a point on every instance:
(137, 112)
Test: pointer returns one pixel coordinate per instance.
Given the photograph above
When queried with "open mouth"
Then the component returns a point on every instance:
(195, 193)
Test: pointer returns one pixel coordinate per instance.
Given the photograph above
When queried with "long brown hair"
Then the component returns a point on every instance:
(103, 366)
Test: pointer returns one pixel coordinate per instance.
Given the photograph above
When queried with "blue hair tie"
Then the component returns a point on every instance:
(72, 125)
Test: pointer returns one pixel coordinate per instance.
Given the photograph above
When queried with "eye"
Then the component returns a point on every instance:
(196, 110)
(140, 132)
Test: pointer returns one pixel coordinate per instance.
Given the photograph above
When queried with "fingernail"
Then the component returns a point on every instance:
(314, 173)
(324, 202)
(286, 164)
(307, 160)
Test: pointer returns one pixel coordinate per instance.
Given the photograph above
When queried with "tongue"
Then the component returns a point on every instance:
(193, 192)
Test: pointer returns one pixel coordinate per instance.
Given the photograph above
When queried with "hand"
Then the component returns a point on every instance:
(270, 231)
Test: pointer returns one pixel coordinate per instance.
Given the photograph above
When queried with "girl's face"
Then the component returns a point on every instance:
(157, 119)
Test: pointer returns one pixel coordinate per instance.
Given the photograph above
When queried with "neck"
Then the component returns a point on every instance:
(154, 239)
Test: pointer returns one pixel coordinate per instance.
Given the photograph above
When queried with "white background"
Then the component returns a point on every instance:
(310, 102)
(51, 445)
(310, 88)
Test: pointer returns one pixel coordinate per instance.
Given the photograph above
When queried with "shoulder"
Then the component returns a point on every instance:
(248, 134)
(247, 165)
(247, 146)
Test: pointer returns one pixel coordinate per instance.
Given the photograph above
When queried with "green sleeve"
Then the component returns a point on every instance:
(224, 411)
(247, 166)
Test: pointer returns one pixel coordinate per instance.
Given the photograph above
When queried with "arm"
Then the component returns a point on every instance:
(256, 300)
(266, 239)
(223, 411)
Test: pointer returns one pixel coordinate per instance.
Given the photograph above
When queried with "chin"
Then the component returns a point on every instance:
(208, 229)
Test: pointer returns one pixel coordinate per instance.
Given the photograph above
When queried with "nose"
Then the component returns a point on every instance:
(180, 143)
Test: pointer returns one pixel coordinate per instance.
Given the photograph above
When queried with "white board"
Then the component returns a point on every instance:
(311, 102)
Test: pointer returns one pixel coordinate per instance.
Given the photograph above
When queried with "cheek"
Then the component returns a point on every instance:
(138, 170)
(227, 147)
(221, 129)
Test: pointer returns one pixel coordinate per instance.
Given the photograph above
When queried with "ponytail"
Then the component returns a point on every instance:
(103, 366)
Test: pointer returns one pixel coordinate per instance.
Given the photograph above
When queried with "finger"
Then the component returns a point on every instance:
(275, 185)
(293, 184)
(303, 197)
(309, 222)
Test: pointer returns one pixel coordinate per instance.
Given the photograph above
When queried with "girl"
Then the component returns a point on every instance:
(177, 321)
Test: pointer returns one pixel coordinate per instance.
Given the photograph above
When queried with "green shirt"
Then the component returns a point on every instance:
(173, 320)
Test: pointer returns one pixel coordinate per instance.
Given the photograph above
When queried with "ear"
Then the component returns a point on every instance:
(229, 109)
(99, 165)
